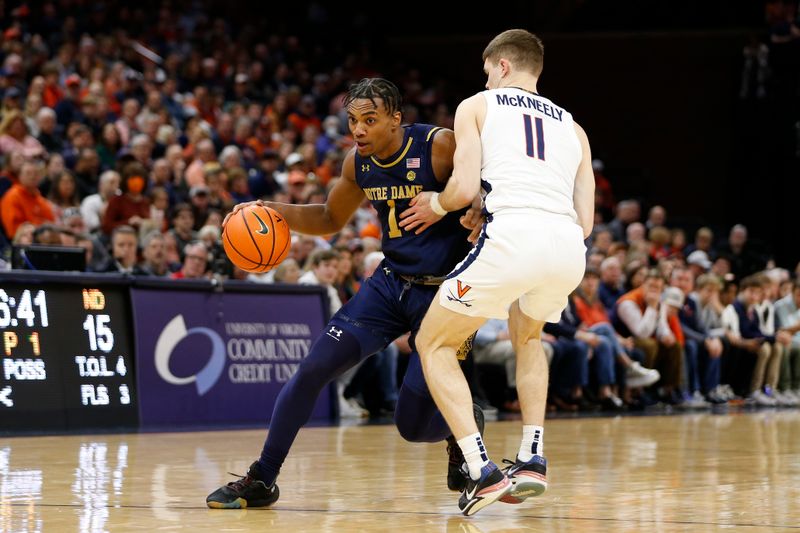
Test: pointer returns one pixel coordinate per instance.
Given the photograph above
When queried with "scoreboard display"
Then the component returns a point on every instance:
(67, 357)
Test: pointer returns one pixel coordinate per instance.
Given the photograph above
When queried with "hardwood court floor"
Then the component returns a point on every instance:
(640, 474)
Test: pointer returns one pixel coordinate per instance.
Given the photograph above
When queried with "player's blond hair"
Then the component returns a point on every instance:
(522, 48)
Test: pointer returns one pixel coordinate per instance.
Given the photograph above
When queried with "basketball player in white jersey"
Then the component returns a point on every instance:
(534, 164)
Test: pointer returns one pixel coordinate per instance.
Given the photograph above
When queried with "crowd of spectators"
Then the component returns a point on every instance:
(134, 148)
(658, 319)
(108, 131)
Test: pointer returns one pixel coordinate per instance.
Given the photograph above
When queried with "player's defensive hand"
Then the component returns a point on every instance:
(419, 215)
(473, 220)
(239, 207)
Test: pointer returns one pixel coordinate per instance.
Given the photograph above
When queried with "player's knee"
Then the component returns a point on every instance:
(407, 414)
(523, 329)
(523, 333)
(423, 341)
(426, 344)
(408, 428)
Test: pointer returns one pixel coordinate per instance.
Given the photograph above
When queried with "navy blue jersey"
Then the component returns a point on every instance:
(390, 185)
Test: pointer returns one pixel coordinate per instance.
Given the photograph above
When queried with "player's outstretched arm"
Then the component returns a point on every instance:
(583, 196)
(321, 219)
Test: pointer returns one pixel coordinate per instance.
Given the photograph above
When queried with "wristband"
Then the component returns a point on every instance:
(436, 206)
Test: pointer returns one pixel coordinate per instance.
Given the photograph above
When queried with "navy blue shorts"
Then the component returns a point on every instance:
(384, 308)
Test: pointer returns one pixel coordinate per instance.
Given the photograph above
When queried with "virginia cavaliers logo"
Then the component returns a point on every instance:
(264, 229)
(462, 289)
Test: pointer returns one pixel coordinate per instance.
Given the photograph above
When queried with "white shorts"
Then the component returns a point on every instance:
(536, 258)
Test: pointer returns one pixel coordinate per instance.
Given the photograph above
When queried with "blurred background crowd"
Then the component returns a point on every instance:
(131, 131)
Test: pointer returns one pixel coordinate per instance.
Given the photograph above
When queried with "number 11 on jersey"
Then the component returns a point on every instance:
(529, 136)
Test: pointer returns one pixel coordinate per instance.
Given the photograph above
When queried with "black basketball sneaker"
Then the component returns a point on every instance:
(527, 479)
(247, 491)
(477, 494)
(455, 457)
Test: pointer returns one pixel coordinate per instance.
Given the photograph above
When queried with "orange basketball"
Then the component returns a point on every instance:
(256, 238)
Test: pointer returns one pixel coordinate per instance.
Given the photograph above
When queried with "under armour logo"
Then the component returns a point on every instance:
(365, 168)
(386, 269)
(334, 333)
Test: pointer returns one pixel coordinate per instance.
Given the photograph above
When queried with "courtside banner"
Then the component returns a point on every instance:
(220, 358)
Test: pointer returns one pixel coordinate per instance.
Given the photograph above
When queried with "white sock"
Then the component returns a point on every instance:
(474, 454)
(532, 442)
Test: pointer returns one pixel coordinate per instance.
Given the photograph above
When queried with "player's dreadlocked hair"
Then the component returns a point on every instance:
(371, 88)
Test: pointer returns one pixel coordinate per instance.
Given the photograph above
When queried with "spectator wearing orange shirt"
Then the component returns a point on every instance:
(593, 317)
(23, 202)
(52, 93)
(131, 207)
(656, 331)
(305, 115)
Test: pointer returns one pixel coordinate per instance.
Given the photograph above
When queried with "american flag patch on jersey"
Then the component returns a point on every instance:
(412, 162)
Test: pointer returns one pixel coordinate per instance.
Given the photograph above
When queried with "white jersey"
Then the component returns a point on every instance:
(531, 153)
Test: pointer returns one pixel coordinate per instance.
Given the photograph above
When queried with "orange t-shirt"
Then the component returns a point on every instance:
(52, 95)
(21, 205)
(637, 296)
(590, 313)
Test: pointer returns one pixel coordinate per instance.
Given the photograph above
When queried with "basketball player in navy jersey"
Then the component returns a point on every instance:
(390, 165)
(534, 163)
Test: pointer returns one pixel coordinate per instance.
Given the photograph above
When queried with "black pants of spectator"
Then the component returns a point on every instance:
(737, 369)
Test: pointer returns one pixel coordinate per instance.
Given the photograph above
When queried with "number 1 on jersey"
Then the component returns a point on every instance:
(394, 229)
(529, 136)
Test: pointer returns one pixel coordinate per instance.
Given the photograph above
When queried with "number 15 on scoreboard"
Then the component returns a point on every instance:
(100, 335)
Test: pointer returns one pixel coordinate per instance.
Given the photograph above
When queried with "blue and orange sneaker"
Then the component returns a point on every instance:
(527, 479)
(247, 491)
(479, 493)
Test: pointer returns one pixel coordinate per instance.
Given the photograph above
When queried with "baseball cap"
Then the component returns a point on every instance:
(700, 258)
(198, 189)
(132, 75)
(672, 296)
(72, 80)
(160, 76)
(12, 92)
(293, 159)
(12, 33)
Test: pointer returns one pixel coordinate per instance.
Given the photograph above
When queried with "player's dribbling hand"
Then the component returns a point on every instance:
(239, 207)
(419, 215)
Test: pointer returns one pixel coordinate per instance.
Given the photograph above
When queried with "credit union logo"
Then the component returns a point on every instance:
(174, 332)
